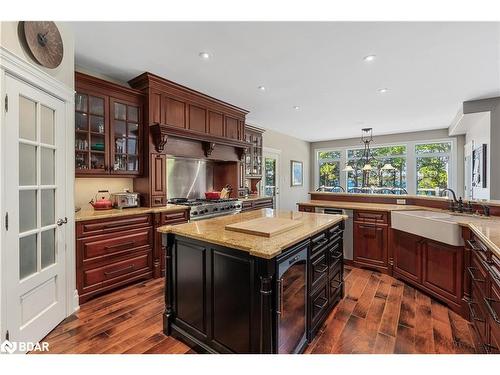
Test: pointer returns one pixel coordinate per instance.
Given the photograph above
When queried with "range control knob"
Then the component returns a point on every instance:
(194, 213)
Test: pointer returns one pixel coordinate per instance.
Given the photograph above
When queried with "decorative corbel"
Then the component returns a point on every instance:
(241, 151)
(208, 147)
(160, 136)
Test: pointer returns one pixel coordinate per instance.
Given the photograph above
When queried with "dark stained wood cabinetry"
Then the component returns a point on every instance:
(108, 128)
(370, 238)
(222, 300)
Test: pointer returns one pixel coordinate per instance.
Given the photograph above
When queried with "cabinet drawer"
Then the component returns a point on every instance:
(113, 245)
(158, 200)
(335, 231)
(318, 243)
(319, 270)
(478, 274)
(319, 306)
(335, 285)
(174, 217)
(492, 304)
(117, 272)
(477, 315)
(371, 217)
(263, 203)
(335, 253)
(94, 227)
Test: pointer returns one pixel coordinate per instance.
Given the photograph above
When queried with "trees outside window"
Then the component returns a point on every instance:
(433, 165)
(329, 169)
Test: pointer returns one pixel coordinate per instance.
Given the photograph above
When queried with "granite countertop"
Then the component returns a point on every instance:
(360, 205)
(404, 196)
(213, 231)
(88, 213)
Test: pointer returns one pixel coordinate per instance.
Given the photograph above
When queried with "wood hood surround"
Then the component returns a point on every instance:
(180, 121)
(173, 110)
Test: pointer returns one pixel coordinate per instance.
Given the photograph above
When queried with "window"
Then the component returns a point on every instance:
(433, 167)
(329, 169)
(380, 180)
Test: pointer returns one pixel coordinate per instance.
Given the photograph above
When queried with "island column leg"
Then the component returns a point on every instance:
(168, 314)
(266, 314)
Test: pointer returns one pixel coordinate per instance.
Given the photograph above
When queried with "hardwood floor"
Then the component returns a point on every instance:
(379, 314)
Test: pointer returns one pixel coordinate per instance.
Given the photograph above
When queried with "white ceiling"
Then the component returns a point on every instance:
(429, 68)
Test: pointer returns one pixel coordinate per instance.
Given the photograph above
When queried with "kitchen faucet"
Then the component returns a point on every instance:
(452, 192)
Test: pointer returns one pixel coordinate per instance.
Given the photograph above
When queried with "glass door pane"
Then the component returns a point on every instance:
(126, 132)
(37, 190)
(270, 177)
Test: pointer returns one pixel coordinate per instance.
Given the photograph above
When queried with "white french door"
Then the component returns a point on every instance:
(272, 175)
(34, 187)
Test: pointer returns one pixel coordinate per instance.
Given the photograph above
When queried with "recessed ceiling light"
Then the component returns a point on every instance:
(296, 107)
(383, 90)
(369, 58)
(204, 55)
(261, 88)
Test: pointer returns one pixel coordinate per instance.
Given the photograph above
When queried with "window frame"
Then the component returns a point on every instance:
(449, 154)
(411, 161)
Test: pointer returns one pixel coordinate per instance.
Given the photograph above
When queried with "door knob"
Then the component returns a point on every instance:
(62, 221)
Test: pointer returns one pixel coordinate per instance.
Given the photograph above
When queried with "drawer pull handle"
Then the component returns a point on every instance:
(321, 270)
(473, 313)
(337, 256)
(114, 225)
(280, 298)
(471, 272)
(339, 283)
(109, 273)
(320, 242)
(109, 247)
(490, 309)
(322, 304)
(473, 246)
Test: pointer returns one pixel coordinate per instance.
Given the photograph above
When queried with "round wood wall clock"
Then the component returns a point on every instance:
(44, 42)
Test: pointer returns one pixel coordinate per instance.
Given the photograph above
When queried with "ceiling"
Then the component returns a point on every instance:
(429, 69)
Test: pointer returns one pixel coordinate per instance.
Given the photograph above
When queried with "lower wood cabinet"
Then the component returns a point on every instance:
(482, 292)
(255, 204)
(115, 252)
(371, 245)
(111, 253)
(433, 266)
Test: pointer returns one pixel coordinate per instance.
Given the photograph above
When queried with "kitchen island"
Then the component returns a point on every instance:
(233, 292)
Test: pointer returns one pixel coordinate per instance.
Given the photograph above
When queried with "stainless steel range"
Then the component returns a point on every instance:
(205, 208)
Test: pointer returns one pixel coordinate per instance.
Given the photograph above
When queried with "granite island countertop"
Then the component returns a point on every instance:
(213, 231)
(88, 213)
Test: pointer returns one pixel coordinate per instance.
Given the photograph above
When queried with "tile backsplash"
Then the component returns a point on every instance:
(86, 188)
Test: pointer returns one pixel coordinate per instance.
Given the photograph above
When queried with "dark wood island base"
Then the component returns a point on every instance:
(223, 300)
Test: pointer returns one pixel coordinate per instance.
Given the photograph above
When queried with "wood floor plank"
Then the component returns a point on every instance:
(390, 317)
(366, 298)
(461, 331)
(441, 329)
(424, 338)
(384, 344)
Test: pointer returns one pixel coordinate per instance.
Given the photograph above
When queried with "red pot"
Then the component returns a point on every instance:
(102, 201)
(212, 195)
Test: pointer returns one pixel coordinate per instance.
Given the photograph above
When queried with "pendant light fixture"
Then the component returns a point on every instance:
(387, 167)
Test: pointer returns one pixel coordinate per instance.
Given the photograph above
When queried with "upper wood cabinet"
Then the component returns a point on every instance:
(253, 156)
(190, 114)
(108, 128)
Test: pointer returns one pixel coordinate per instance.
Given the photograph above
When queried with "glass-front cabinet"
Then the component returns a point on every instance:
(108, 128)
(253, 156)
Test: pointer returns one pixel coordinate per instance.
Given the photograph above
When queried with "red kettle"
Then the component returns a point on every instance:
(101, 202)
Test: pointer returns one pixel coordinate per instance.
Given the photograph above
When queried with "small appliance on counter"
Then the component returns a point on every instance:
(125, 199)
(102, 201)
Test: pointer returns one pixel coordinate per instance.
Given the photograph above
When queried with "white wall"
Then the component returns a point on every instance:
(9, 39)
(291, 149)
(476, 135)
